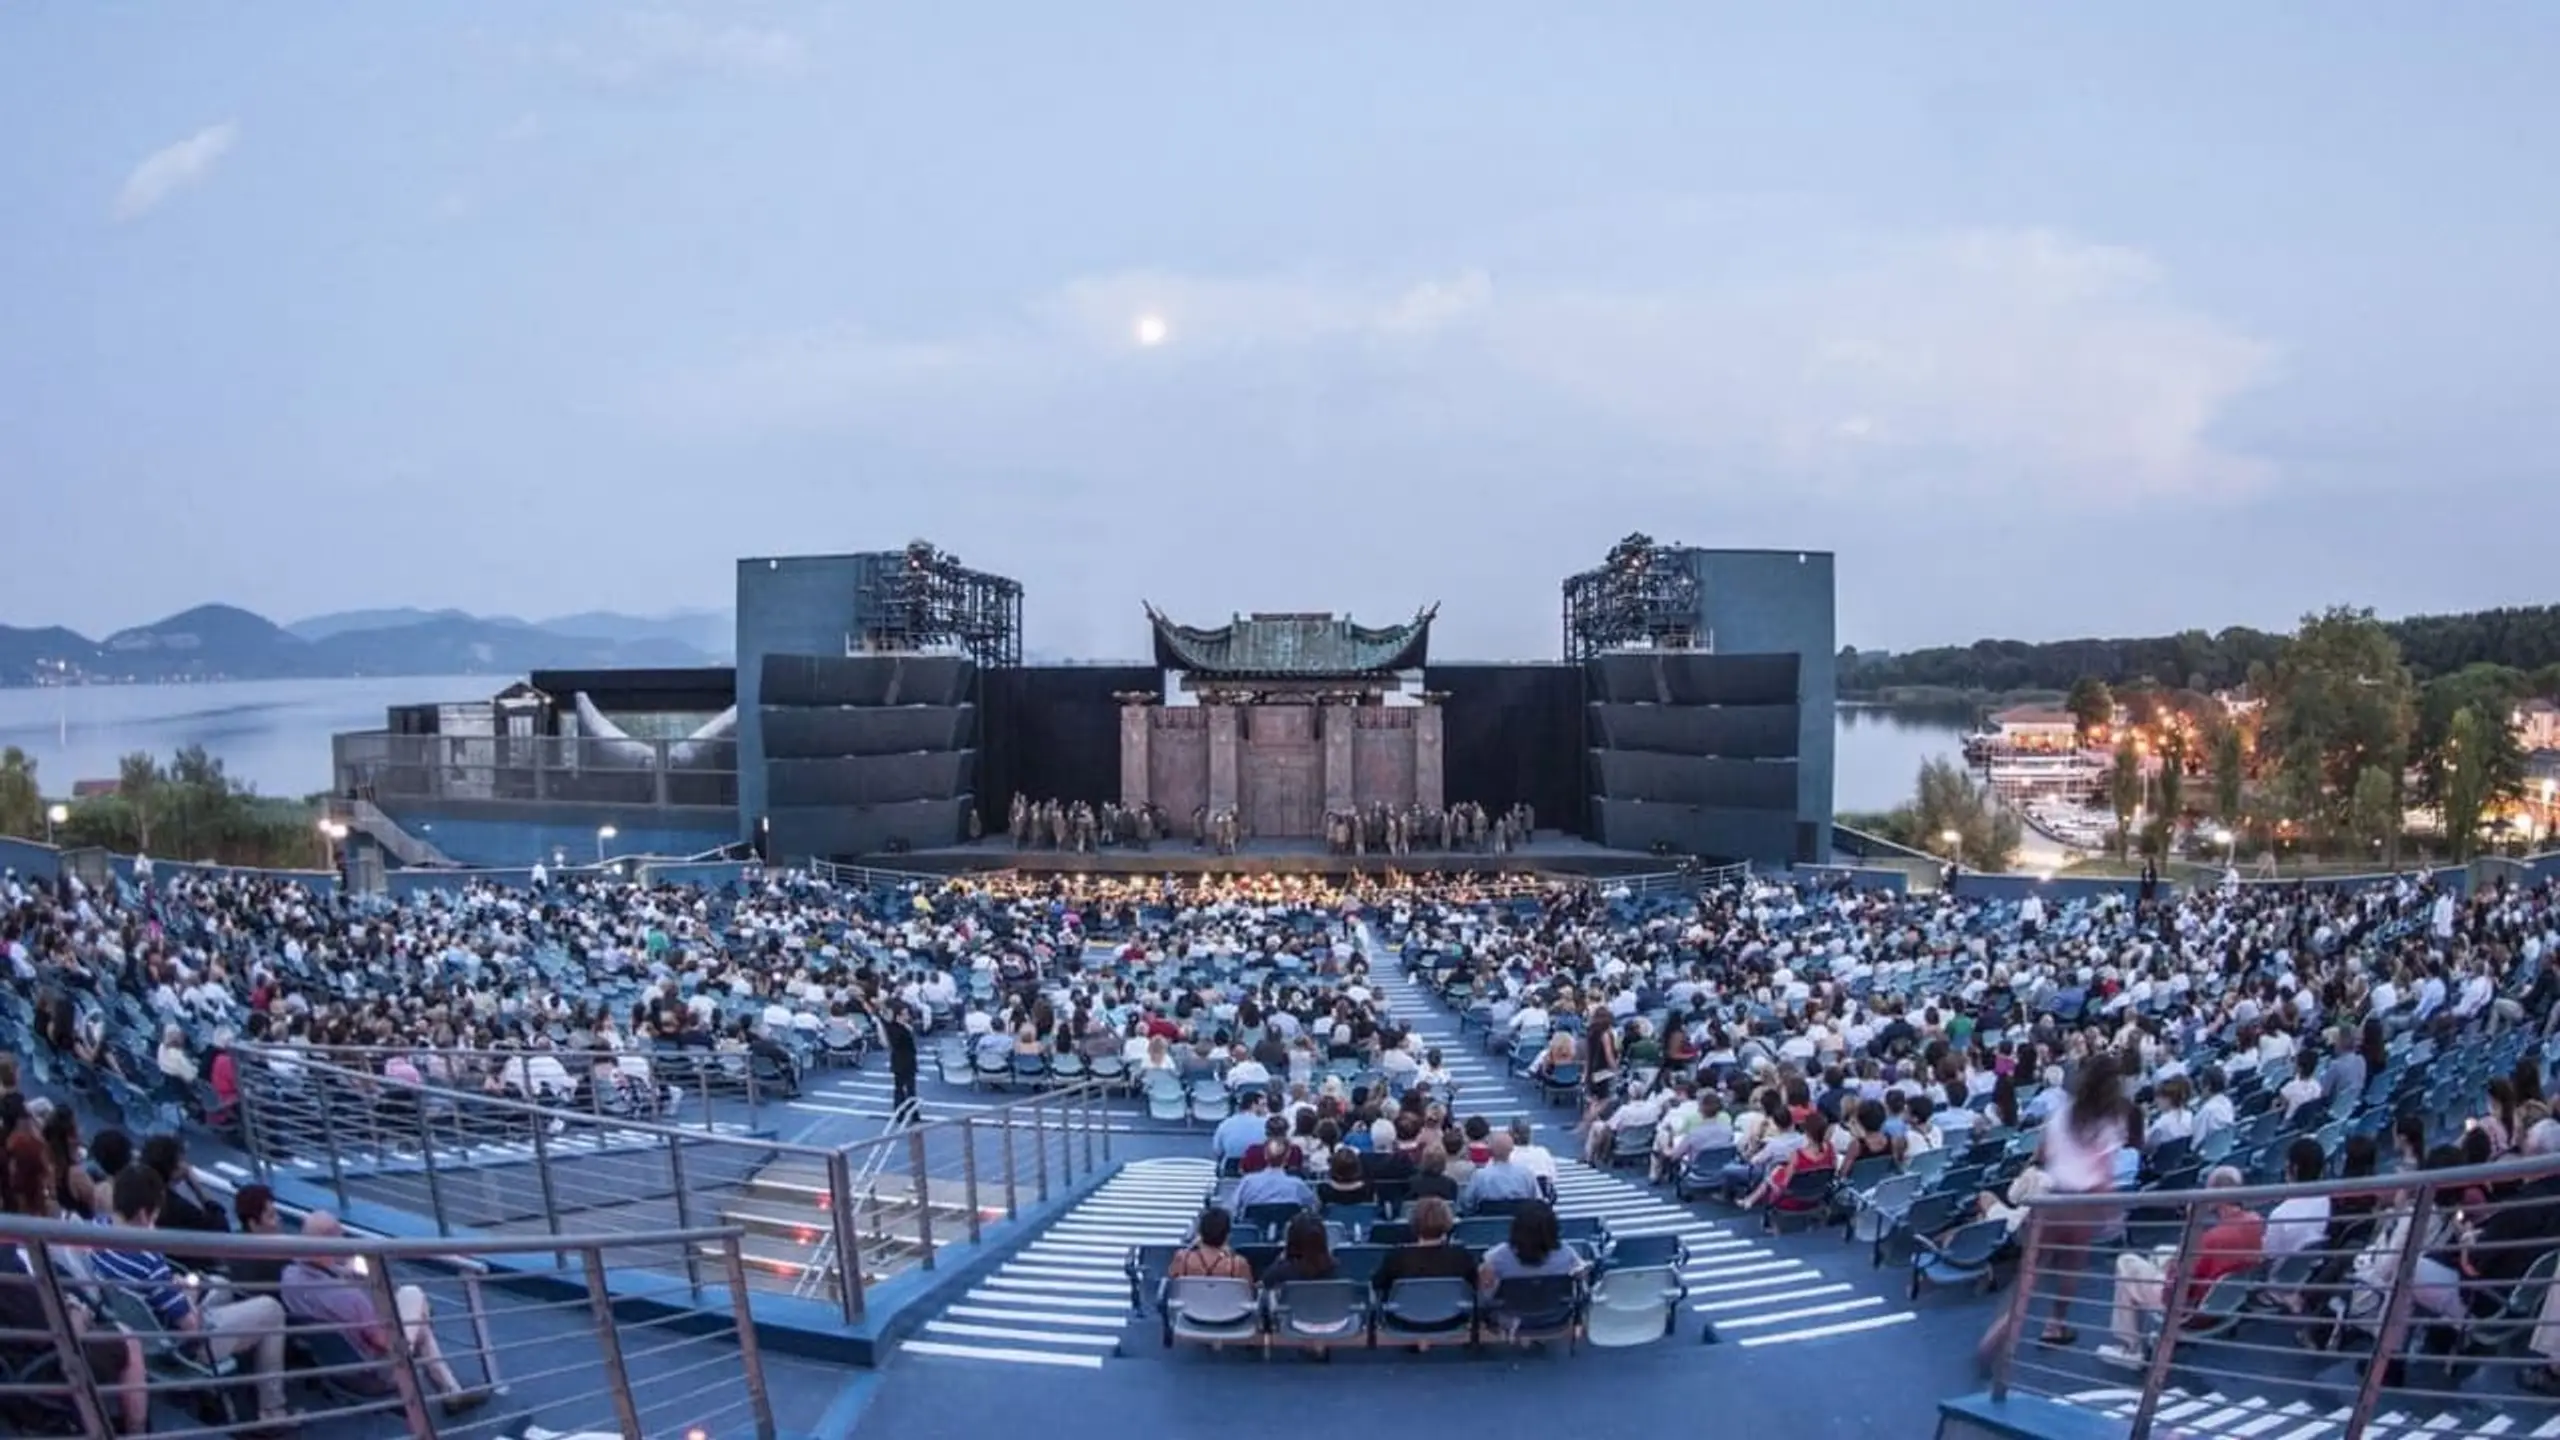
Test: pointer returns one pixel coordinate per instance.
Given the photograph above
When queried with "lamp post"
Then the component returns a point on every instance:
(1953, 839)
(2550, 818)
(2229, 842)
(60, 814)
(604, 833)
(332, 834)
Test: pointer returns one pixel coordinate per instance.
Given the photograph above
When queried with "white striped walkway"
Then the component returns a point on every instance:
(1063, 1300)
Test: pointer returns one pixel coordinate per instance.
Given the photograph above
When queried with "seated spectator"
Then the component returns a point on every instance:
(1207, 1256)
(2235, 1241)
(175, 1062)
(255, 1205)
(326, 1292)
(1533, 1157)
(1306, 1253)
(1536, 1247)
(1271, 1185)
(253, 1327)
(1277, 1151)
(1431, 1175)
(1814, 1156)
(185, 1206)
(2304, 1088)
(1344, 1183)
(1429, 1256)
(1500, 1178)
(115, 1358)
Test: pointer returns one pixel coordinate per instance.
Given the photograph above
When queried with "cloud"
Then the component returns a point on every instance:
(164, 173)
(2020, 366)
(653, 46)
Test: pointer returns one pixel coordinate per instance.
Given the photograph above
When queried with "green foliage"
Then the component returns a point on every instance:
(2338, 700)
(2526, 639)
(1948, 798)
(2173, 775)
(2124, 789)
(192, 810)
(2230, 774)
(2374, 810)
(2465, 788)
(2493, 692)
(2091, 704)
(21, 798)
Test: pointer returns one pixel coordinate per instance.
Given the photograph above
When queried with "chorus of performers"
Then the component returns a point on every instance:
(1382, 829)
(1083, 827)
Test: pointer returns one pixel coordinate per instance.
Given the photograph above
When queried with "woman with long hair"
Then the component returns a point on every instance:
(2078, 1157)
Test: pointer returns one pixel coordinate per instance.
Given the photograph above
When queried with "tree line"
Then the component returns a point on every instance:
(2524, 639)
(186, 809)
(2345, 736)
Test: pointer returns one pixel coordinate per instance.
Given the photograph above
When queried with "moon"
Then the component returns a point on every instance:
(1151, 330)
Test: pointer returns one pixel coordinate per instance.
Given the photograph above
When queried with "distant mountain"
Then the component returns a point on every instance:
(321, 627)
(713, 632)
(224, 642)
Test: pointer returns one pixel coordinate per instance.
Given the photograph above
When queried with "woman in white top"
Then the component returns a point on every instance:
(2078, 1157)
(2302, 1089)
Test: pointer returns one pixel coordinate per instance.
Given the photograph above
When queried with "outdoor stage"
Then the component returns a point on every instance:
(1546, 850)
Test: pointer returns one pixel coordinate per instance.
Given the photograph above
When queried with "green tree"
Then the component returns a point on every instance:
(2092, 705)
(2492, 692)
(21, 799)
(2375, 812)
(2124, 789)
(2465, 789)
(1948, 798)
(2338, 700)
(138, 785)
(2230, 774)
(2173, 775)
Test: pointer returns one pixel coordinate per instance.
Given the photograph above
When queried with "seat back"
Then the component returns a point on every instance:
(1539, 1302)
(1438, 1302)
(1207, 1301)
(1319, 1309)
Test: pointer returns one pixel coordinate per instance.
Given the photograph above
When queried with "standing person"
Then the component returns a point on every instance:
(900, 1036)
(2078, 1157)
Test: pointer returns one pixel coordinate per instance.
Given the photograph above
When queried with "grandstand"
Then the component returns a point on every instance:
(632, 1143)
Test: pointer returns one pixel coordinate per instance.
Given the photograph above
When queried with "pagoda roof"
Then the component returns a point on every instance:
(1314, 646)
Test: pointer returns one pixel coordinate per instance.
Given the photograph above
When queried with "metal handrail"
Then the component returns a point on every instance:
(2061, 1231)
(307, 1061)
(225, 1244)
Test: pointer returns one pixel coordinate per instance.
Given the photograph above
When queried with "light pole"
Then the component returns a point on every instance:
(2550, 818)
(1953, 839)
(60, 814)
(332, 834)
(2229, 842)
(604, 833)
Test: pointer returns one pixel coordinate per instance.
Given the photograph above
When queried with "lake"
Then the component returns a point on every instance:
(274, 734)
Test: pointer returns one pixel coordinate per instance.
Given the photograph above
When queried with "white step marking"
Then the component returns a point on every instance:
(1808, 1312)
(1787, 1297)
(1037, 1317)
(1002, 1353)
(1820, 1332)
(1004, 1332)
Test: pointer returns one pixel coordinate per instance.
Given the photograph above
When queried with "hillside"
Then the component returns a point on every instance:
(2523, 638)
(224, 642)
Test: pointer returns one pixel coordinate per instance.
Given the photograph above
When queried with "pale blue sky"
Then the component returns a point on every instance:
(2049, 319)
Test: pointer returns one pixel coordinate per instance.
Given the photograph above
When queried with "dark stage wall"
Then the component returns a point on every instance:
(1514, 733)
(1052, 732)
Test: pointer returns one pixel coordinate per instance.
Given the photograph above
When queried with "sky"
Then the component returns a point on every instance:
(2047, 320)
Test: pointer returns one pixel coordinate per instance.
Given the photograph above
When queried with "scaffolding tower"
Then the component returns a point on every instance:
(1643, 596)
(923, 599)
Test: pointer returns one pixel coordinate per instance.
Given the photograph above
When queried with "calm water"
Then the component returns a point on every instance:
(275, 734)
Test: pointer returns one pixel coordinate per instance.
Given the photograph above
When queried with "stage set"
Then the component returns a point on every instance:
(1690, 715)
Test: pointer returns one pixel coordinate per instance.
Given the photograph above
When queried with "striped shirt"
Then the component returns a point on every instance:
(145, 1273)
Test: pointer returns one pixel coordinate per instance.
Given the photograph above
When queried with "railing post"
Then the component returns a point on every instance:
(923, 1189)
(684, 1212)
(404, 1364)
(2395, 1311)
(251, 1134)
(427, 1157)
(329, 1136)
(969, 1174)
(1040, 1135)
(1012, 1185)
(848, 1232)
(609, 1336)
(73, 1357)
(2021, 1305)
(1092, 1116)
(750, 1358)
(2173, 1313)
(1102, 1102)
(542, 1172)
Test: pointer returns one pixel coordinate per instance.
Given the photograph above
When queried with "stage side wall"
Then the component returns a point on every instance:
(1052, 732)
(1782, 602)
(1514, 733)
(796, 605)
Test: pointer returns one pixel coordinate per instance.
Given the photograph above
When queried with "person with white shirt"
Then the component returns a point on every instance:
(2304, 1087)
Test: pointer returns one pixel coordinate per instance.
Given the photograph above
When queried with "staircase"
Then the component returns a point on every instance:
(366, 818)
(790, 1242)
(1063, 1301)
